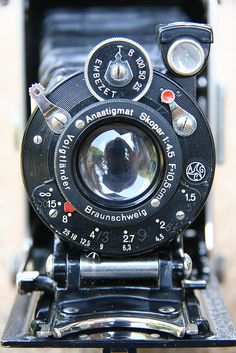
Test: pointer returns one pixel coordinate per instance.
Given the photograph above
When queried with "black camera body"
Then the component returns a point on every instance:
(118, 160)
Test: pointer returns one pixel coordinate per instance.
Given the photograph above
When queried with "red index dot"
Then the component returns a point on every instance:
(68, 208)
(167, 96)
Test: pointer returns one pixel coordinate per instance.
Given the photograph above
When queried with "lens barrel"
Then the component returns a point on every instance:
(119, 162)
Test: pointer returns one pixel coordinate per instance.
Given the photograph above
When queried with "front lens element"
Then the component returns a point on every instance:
(118, 162)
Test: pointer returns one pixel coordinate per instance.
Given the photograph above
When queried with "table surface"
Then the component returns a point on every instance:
(11, 189)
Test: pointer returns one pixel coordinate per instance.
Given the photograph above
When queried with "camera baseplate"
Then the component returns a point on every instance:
(90, 301)
(75, 311)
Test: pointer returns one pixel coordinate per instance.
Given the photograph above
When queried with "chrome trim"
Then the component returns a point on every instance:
(113, 269)
(176, 328)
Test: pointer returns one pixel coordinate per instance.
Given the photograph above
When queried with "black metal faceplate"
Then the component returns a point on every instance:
(161, 224)
(17, 331)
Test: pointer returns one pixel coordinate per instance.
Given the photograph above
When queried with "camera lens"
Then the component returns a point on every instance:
(119, 163)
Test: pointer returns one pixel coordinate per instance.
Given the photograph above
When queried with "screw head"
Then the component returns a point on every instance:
(53, 213)
(118, 71)
(155, 203)
(70, 310)
(37, 139)
(92, 255)
(202, 82)
(180, 215)
(185, 125)
(60, 117)
(167, 309)
(79, 124)
(59, 120)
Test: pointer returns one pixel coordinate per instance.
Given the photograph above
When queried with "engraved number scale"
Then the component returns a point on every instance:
(118, 68)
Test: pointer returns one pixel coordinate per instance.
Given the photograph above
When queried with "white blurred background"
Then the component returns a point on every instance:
(12, 217)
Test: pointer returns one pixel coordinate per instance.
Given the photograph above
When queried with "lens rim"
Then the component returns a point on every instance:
(134, 201)
(146, 118)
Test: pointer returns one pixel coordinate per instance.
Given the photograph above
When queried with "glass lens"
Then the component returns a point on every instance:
(118, 162)
(186, 57)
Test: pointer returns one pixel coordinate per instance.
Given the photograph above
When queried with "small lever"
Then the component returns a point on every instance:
(29, 281)
(55, 117)
(183, 122)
